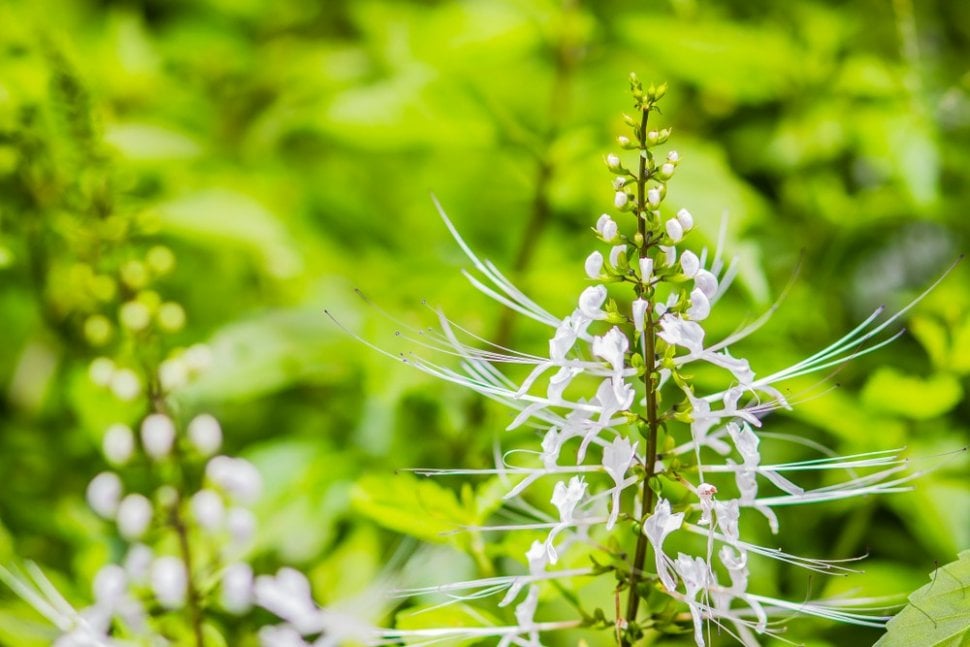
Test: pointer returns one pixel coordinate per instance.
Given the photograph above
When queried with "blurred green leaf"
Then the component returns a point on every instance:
(451, 615)
(891, 391)
(938, 613)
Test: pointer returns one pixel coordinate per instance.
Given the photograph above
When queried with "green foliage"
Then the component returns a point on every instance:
(283, 152)
(937, 613)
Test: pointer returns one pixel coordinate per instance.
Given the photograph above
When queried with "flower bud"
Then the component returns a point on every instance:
(619, 182)
(134, 315)
(706, 283)
(591, 301)
(621, 199)
(157, 435)
(109, 586)
(101, 370)
(237, 476)
(689, 263)
(173, 373)
(594, 265)
(667, 170)
(639, 314)
(125, 384)
(606, 228)
(134, 515)
(118, 444)
(673, 157)
(700, 306)
(169, 581)
(208, 509)
(198, 357)
(97, 330)
(205, 433)
(612, 162)
(160, 259)
(241, 524)
(617, 254)
(685, 219)
(104, 494)
(674, 230)
(237, 588)
(653, 198)
(133, 274)
(653, 138)
(623, 140)
(171, 316)
(646, 269)
(138, 563)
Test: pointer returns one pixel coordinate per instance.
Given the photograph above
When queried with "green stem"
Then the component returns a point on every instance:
(650, 366)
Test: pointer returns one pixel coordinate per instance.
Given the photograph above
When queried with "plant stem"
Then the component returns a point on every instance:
(648, 344)
(159, 405)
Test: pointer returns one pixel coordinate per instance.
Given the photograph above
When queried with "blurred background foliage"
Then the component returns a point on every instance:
(284, 152)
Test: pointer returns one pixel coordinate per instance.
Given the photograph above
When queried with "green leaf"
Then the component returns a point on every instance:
(938, 613)
(451, 616)
(914, 397)
(417, 507)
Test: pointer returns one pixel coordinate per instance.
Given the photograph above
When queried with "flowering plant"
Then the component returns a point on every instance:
(631, 441)
(650, 476)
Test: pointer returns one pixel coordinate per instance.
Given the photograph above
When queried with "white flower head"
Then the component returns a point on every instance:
(689, 263)
(169, 581)
(674, 230)
(621, 199)
(606, 227)
(616, 252)
(118, 444)
(208, 509)
(591, 302)
(640, 306)
(612, 347)
(205, 433)
(685, 219)
(700, 306)
(657, 527)
(594, 265)
(104, 494)
(134, 514)
(157, 435)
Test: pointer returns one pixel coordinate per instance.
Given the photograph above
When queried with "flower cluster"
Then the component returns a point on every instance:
(628, 437)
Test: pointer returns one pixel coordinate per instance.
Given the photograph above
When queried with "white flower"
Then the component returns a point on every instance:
(125, 384)
(138, 563)
(237, 588)
(208, 509)
(657, 526)
(134, 515)
(606, 227)
(612, 161)
(169, 581)
(673, 156)
(646, 269)
(640, 306)
(241, 524)
(689, 263)
(110, 585)
(118, 444)
(706, 492)
(237, 476)
(157, 435)
(591, 301)
(594, 265)
(653, 197)
(617, 459)
(615, 253)
(101, 370)
(685, 219)
(104, 494)
(287, 594)
(700, 307)
(674, 230)
(621, 199)
(612, 347)
(205, 433)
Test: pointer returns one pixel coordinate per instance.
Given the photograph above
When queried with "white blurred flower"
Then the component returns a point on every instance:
(157, 435)
(169, 581)
(205, 433)
(134, 514)
(104, 494)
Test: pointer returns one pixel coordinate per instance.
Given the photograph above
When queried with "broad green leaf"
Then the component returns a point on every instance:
(451, 617)
(938, 613)
(890, 391)
(414, 506)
